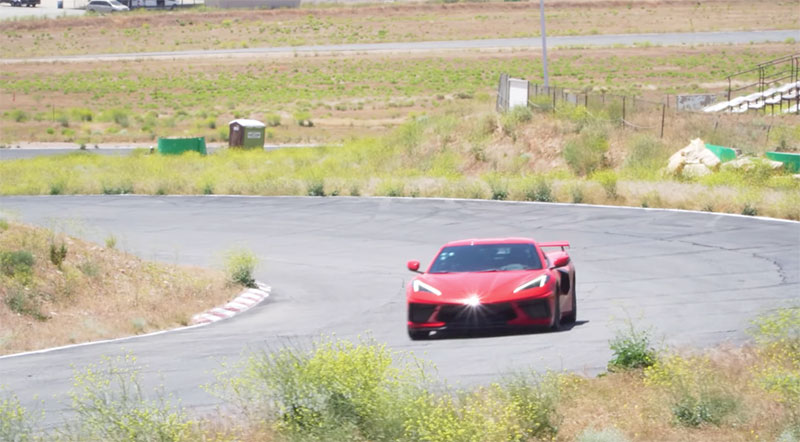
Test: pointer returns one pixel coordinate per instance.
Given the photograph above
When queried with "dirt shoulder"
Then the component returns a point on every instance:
(58, 290)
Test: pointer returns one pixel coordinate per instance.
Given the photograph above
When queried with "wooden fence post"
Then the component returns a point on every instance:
(623, 112)
(663, 114)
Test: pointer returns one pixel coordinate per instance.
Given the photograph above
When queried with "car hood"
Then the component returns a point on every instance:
(488, 286)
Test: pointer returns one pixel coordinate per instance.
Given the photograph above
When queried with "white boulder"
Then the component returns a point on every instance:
(693, 154)
(741, 163)
(695, 170)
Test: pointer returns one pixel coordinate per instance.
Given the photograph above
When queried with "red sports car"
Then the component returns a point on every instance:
(492, 283)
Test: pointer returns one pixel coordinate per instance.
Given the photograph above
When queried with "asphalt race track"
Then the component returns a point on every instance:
(661, 39)
(337, 265)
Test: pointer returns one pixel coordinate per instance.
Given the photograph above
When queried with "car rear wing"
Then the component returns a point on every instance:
(562, 244)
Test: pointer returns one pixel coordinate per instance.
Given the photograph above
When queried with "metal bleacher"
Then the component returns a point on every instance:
(778, 86)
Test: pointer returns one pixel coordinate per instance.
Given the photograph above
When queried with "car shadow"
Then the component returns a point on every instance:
(494, 333)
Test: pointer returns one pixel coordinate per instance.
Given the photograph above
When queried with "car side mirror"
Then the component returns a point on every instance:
(413, 266)
(561, 261)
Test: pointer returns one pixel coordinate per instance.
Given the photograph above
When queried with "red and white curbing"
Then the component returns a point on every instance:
(245, 301)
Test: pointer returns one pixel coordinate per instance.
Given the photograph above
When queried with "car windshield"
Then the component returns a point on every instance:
(487, 258)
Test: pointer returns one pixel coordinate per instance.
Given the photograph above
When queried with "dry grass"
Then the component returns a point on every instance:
(185, 30)
(97, 293)
(643, 412)
(345, 96)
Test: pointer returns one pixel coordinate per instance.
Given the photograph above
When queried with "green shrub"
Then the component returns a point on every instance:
(57, 188)
(749, 209)
(81, 114)
(576, 192)
(335, 390)
(24, 301)
(712, 408)
(118, 116)
(608, 180)
(646, 153)
(303, 118)
(58, 254)
(522, 409)
(539, 190)
(777, 335)
(577, 115)
(16, 263)
(16, 425)
(273, 120)
(586, 153)
(512, 119)
(631, 349)
(110, 404)
(117, 188)
(697, 395)
(111, 241)
(498, 187)
(19, 116)
(240, 264)
(3, 225)
(391, 188)
(315, 187)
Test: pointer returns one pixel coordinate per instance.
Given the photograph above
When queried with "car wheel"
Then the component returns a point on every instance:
(418, 335)
(573, 315)
(557, 314)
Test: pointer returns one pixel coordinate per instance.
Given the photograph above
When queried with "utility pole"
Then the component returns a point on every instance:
(544, 44)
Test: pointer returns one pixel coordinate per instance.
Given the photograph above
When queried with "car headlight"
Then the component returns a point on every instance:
(420, 286)
(538, 282)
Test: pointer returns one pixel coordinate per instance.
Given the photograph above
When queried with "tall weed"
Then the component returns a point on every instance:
(16, 424)
(333, 390)
(513, 119)
(698, 396)
(777, 335)
(539, 189)
(240, 265)
(645, 156)
(111, 405)
(631, 349)
(586, 153)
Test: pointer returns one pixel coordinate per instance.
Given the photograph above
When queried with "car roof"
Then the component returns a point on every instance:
(479, 241)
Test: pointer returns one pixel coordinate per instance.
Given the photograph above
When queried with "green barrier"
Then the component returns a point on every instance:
(723, 153)
(791, 161)
(177, 146)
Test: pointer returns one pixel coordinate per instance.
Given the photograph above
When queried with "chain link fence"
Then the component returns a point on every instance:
(752, 132)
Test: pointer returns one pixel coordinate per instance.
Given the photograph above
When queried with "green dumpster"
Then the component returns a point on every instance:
(791, 161)
(177, 146)
(724, 154)
(248, 134)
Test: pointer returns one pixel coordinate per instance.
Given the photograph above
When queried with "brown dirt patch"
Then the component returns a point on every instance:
(96, 293)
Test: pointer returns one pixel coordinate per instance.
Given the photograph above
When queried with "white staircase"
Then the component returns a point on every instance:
(788, 93)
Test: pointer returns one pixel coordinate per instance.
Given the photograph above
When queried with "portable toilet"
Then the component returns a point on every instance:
(246, 133)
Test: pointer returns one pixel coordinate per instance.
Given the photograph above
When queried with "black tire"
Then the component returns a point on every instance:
(573, 315)
(557, 314)
(418, 335)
